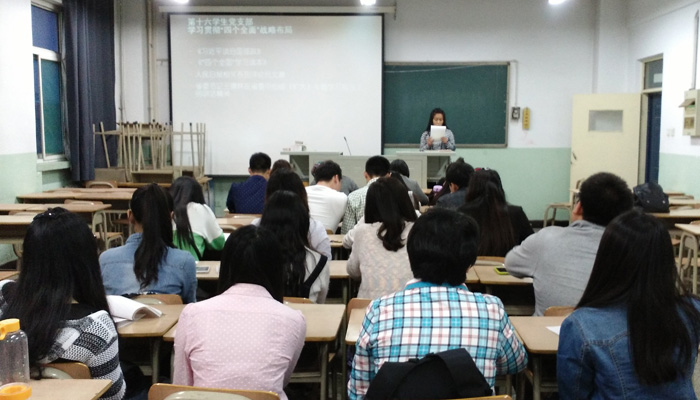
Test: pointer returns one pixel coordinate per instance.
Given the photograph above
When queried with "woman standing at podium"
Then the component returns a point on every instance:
(447, 142)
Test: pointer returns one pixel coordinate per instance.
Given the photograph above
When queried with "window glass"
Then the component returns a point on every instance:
(653, 74)
(37, 107)
(51, 91)
(44, 29)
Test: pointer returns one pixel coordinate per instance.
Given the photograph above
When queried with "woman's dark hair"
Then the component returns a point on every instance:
(151, 206)
(485, 202)
(432, 114)
(286, 179)
(635, 268)
(288, 219)
(280, 164)
(388, 202)
(253, 255)
(59, 264)
(185, 190)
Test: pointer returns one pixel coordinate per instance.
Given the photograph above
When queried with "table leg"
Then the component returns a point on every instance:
(324, 370)
(155, 358)
(536, 378)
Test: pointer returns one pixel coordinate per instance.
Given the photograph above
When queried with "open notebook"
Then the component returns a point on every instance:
(125, 311)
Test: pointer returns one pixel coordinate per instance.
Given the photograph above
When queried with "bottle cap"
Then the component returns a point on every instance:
(8, 326)
(15, 391)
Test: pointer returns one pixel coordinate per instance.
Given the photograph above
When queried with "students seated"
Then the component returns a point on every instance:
(379, 258)
(436, 311)
(634, 334)
(306, 271)
(326, 201)
(560, 260)
(401, 167)
(60, 300)
(148, 261)
(244, 338)
(457, 179)
(249, 197)
(194, 223)
(501, 225)
(375, 168)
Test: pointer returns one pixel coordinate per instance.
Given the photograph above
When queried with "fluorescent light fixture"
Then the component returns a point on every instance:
(555, 2)
(368, 2)
(181, 1)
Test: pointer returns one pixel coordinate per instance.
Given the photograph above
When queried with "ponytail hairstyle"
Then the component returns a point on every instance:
(151, 206)
(59, 264)
(388, 202)
(185, 190)
(287, 218)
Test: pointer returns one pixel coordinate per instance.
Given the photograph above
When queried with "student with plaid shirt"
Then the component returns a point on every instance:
(435, 311)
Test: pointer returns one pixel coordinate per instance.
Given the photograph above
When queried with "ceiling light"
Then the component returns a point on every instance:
(181, 1)
(555, 2)
(368, 2)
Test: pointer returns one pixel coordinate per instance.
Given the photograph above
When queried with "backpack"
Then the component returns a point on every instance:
(651, 197)
(449, 374)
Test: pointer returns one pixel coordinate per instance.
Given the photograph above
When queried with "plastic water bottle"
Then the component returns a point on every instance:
(14, 353)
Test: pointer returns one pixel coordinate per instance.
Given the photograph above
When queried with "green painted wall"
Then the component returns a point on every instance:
(680, 173)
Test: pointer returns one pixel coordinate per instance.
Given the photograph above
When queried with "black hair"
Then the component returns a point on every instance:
(253, 255)
(288, 219)
(185, 190)
(377, 166)
(259, 162)
(604, 196)
(151, 206)
(442, 245)
(635, 267)
(401, 167)
(432, 114)
(59, 264)
(326, 170)
(286, 179)
(388, 202)
(459, 173)
(280, 164)
(485, 202)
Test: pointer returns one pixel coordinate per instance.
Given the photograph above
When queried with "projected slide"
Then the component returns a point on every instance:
(263, 82)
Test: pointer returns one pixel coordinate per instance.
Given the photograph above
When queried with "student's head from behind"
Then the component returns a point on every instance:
(186, 189)
(259, 164)
(286, 214)
(388, 202)
(401, 167)
(252, 255)
(376, 167)
(604, 196)
(442, 245)
(328, 172)
(485, 183)
(459, 174)
(280, 164)
(286, 179)
(437, 117)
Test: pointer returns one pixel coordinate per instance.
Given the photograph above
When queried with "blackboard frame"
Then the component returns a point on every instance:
(478, 95)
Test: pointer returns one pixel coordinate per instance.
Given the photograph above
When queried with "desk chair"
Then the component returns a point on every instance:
(101, 184)
(567, 206)
(66, 370)
(164, 391)
(103, 225)
(688, 260)
(159, 298)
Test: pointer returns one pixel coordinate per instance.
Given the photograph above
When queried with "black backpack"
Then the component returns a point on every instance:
(651, 198)
(449, 374)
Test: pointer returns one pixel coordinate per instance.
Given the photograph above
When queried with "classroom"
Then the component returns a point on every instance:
(555, 53)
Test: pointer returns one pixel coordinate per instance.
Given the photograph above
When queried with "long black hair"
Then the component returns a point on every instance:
(151, 206)
(185, 190)
(253, 255)
(388, 202)
(432, 114)
(286, 179)
(287, 218)
(635, 267)
(59, 265)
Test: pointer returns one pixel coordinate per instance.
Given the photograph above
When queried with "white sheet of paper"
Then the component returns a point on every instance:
(437, 132)
(554, 329)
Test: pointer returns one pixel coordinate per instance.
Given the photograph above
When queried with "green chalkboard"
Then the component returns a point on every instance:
(473, 96)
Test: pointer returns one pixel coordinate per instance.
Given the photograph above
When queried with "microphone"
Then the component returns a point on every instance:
(346, 143)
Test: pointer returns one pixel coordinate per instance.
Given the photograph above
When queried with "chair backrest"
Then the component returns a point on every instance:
(356, 303)
(66, 370)
(558, 311)
(303, 300)
(163, 391)
(158, 298)
(101, 184)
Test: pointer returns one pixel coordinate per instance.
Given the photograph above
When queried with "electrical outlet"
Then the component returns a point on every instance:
(515, 113)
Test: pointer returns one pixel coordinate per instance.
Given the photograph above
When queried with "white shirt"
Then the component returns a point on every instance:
(326, 205)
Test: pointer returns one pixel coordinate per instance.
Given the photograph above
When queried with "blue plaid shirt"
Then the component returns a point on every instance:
(426, 318)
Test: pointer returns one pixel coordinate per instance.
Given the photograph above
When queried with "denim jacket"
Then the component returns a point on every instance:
(594, 360)
(176, 272)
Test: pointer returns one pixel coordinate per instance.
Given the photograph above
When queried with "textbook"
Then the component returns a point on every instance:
(125, 311)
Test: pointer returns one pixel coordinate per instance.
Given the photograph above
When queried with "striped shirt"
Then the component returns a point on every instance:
(426, 318)
(355, 208)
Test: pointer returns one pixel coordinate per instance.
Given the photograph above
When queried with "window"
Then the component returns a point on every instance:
(47, 82)
(653, 73)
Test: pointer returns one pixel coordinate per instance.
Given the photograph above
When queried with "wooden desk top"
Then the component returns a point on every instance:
(336, 240)
(534, 333)
(8, 207)
(213, 274)
(472, 277)
(488, 276)
(8, 275)
(689, 228)
(339, 269)
(153, 327)
(679, 214)
(680, 201)
(236, 220)
(72, 207)
(16, 220)
(69, 389)
(354, 325)
(80, 194)
(322, 321)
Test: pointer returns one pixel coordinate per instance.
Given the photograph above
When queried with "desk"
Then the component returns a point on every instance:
(87, 211)
(538, 341)
(69, 389)
(10, 207)
(8, 275)
(339, 271)
(679, 201)
(433, 163)
(354, 326)
(153, 329)
(678, 216)
(213, 274)
(13, 228)
(237, 221)
(489, 278)
(118, 198)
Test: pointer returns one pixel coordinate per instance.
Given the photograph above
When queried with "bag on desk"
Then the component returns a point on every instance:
(446, 375)
(650, 197)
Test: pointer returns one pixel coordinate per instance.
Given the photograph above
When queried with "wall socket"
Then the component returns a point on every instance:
(515, 113)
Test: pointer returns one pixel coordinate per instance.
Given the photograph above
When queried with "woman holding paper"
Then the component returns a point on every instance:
(437, 135)
(60, 300)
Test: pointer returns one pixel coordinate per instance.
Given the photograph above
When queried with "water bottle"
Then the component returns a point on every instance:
(14, 353)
